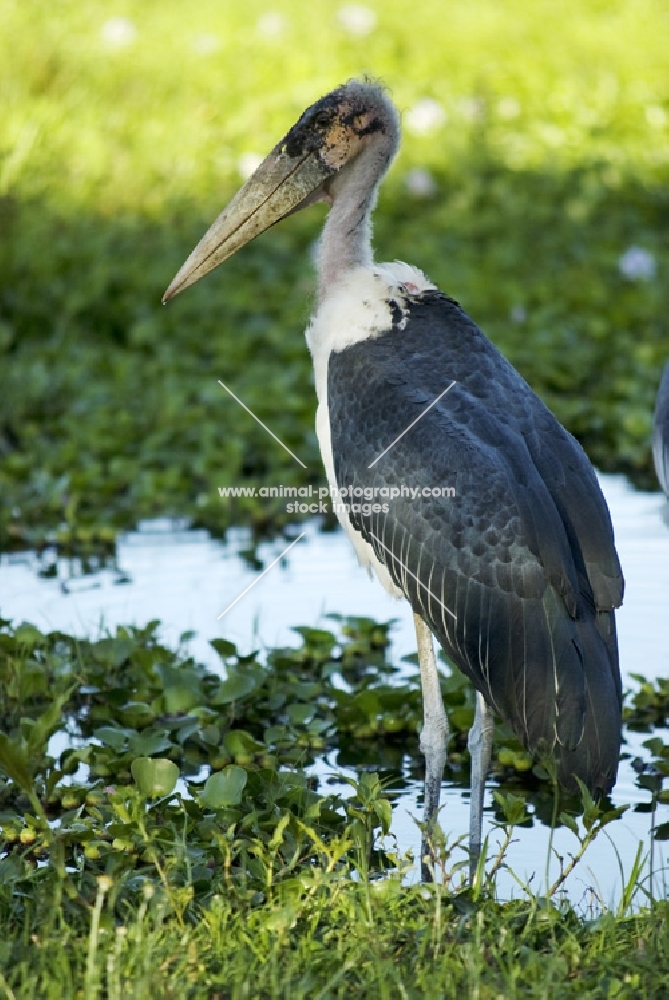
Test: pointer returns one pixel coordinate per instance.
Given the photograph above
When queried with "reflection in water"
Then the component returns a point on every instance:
(186, 579)
(664, 514)
(661, 432)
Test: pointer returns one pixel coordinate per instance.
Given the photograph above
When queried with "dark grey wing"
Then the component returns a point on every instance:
(572, 483)
(661, 432)
(498, 569)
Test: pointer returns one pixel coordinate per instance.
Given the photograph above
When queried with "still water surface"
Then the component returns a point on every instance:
(186, 579)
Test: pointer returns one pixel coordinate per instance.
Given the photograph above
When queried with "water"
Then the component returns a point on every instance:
(186, 579)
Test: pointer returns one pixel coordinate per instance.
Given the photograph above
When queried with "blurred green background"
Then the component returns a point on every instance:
(531, 186)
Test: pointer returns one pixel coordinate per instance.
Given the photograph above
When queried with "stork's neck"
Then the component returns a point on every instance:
(346, 241)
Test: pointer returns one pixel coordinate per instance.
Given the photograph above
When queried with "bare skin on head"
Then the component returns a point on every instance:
(345, 140)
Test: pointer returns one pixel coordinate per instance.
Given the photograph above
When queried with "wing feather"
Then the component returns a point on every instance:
(523, 553)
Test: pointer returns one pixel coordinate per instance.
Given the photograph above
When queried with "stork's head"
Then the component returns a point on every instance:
(308, 165)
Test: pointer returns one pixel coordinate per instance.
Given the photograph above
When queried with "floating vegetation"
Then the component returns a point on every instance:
(145, 795)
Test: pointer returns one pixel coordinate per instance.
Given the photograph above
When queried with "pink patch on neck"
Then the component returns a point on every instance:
(410, 287)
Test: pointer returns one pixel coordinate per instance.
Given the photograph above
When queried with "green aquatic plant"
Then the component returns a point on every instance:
(157, 814)
(543, 174)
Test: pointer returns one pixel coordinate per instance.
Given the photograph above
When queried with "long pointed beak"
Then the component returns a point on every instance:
(281, 185)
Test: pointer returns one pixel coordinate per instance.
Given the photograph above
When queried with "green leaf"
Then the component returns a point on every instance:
(111, 737)
(241, 745)
(318, 639)
(182, 689)
(651, 782)
(569, 822)
(612, 814)
(655, 745)
(299, 714)
(384, 811)
(277, 836)
(591, 811)
(113, 650)
(146, 744)
(233, 688)
(462, 718)
(211, 735)
(15, 762)
(223, 647)
(369, 786)
(28, 635)
(46, 724)
(224, 788)
(136, 713)
(155, 777)
(513, 807)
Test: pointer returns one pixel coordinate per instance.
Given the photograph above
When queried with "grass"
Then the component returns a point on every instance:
(328, 939)
(114, 157)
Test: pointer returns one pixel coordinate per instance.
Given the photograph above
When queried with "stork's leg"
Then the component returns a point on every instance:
(480, 748)
(433, 737)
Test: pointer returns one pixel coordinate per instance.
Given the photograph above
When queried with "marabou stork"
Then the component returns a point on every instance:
(516, 575)
(661, 432)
